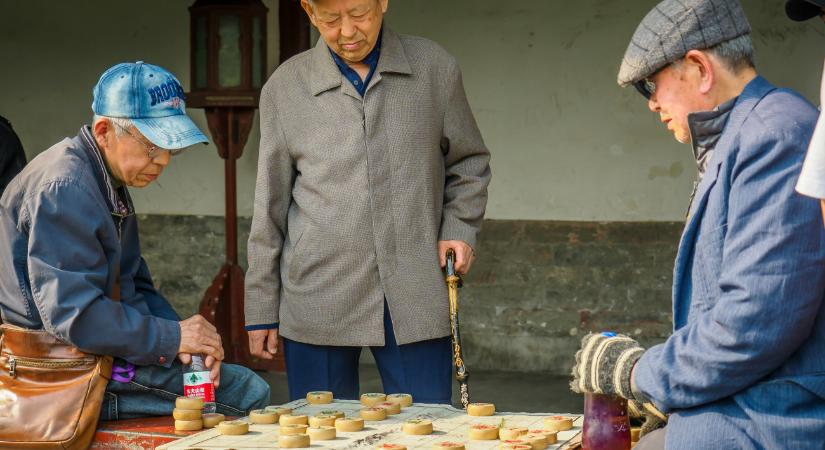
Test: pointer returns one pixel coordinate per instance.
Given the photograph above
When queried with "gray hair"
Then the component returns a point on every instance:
(122, 123)
(736, 54)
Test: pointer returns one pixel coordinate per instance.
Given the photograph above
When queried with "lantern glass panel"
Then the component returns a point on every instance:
(257, 51)
(229, 51)
(201, 39)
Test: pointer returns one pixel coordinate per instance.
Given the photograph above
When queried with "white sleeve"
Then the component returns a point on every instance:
(812, 179)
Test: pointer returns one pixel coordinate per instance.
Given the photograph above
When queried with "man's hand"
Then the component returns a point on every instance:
(604, 363)
(650, 417)
(263, 343)
(211, 363)
(214, 370)
(464, 255)
(198, 336)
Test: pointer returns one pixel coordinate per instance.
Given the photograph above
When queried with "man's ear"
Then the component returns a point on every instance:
(384, 5)
(704, 69)
(99, 129)
(310, 12)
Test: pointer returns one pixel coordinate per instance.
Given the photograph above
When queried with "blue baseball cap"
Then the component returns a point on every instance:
(152, 98)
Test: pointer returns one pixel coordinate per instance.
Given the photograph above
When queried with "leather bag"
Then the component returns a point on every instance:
(50, 392)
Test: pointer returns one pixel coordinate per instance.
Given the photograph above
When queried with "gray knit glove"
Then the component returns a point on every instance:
(647, 415)
(603, 365)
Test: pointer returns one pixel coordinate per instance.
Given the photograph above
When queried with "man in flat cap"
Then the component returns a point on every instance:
(744, 367)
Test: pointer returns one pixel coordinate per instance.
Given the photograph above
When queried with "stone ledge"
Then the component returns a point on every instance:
(536, 288)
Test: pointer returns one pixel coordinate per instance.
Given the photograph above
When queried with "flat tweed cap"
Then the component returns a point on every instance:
(673, 28)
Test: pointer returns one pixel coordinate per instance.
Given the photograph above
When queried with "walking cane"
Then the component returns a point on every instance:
(453, 283)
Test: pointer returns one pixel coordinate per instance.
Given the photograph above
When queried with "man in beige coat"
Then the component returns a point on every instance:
(371, 166)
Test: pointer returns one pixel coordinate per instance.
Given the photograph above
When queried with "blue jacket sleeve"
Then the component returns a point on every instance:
(157, 303)
(771, 284)
(69, 271)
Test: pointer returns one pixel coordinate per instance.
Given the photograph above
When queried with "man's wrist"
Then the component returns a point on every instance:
(263, 326)
(623, 371)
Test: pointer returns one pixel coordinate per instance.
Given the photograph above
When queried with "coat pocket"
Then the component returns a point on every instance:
(316, 258)
(293, 255)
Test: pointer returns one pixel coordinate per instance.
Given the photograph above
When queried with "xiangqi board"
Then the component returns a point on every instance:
(449, 424)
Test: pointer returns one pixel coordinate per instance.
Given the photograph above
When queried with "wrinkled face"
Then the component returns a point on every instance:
(128, 155)
(349, 27)
(677, 94)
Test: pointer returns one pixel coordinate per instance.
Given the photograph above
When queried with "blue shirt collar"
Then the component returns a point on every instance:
(371, 60)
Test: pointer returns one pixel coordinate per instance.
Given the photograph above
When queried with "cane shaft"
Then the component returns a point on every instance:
(464, 392)
(461, 373)
(458, 355)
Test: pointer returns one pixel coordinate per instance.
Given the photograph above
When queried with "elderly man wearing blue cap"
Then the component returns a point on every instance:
(70, 261)
(744, 368)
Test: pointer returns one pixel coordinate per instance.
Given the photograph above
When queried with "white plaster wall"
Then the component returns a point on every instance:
(52, 54)
(567, 142)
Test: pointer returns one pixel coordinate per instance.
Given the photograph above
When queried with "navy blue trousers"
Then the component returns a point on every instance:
(421, 369)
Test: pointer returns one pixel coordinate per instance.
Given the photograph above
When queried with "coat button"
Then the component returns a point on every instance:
(162, 360)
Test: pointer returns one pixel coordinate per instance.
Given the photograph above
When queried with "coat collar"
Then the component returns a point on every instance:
(118, 199)
(706, 128)
(325, 75)
(744, 104)
(753, 93)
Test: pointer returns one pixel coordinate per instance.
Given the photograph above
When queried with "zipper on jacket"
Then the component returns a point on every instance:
(15, 361)
(120, 228)
(119, 218)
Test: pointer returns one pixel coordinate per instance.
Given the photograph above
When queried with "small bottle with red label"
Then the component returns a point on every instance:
(198, 383)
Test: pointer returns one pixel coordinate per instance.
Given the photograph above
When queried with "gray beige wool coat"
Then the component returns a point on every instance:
(353, 194)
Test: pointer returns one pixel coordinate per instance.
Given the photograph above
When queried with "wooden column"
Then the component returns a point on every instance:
(293, 25)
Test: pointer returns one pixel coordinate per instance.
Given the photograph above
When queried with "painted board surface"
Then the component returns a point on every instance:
(449, 424)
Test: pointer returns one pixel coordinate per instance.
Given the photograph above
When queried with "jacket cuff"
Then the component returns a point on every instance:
(635, 392)
(453, 229)
(260, 308)
(263, 326)
(643, 379)
(169, 342)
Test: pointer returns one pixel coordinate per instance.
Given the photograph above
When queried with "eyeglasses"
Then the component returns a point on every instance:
(646, 87)
(152, 150)
(650, 85)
